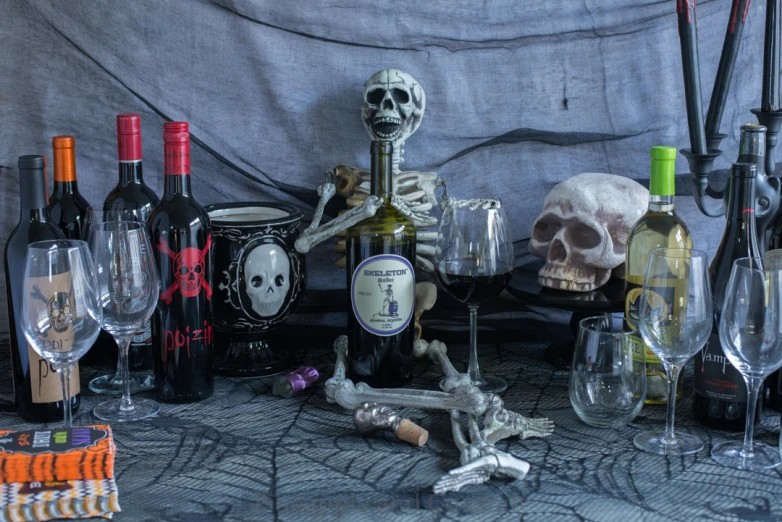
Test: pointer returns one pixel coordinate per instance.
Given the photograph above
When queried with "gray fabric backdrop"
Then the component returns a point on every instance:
(521, 94)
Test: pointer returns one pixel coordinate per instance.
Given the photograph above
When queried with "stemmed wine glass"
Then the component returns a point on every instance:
(751, 337)
(473, 262)
(139, 381)
(61, 312)
(129, 288)
(675, 320)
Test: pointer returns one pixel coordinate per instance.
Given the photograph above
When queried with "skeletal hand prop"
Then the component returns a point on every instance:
(392, 109)
(480, 460)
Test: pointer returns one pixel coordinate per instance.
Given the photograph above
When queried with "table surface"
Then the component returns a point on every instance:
(245, 454)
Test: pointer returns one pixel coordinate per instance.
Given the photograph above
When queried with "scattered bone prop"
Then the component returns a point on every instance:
(370, 417)
(582, 231)
(480, 460)
(392, 109)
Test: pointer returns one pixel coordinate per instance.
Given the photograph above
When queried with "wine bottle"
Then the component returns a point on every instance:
(381, 285)
(720, 398)
(37, 388)
(67, 208)
(658, 227)
(132, 192)
(179, 231)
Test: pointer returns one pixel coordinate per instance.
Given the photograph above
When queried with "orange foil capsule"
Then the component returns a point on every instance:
(64, 158)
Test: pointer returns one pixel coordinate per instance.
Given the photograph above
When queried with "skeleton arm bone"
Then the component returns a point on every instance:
(312, 237)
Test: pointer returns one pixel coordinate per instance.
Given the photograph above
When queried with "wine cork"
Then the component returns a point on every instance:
(411, 432)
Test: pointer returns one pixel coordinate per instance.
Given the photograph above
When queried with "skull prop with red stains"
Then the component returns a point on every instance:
(189, 267)
(582, 231)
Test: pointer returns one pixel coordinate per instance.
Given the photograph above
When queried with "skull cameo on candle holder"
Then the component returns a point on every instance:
(259, 279)
(583, 229)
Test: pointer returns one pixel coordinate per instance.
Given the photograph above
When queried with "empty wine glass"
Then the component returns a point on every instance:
(129, 288)
(473, 262)
(61, 312)
(675, 319)
(139, 380)
(751, 337)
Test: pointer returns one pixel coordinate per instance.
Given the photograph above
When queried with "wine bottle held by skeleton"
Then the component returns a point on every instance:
(179, 231)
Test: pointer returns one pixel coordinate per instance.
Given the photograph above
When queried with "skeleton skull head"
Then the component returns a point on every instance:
(582, 231)
(189, 267)
(59, 309)
(371, 416)
(393, 106)
(267, 273)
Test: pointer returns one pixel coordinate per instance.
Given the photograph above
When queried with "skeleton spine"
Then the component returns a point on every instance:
(180, 233)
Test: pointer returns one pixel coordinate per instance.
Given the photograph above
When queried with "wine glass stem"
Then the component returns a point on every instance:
(124, 346)
(753, 387)
(65, 380)
(673, 371)
(474, 371)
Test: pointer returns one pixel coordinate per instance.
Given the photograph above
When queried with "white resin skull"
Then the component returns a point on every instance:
(393, 106)
(267, 274)
(582, 231)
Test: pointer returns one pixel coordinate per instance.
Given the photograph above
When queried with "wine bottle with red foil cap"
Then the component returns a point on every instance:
(179, 231)
(132, 193)
(67, 207)
(37, 388)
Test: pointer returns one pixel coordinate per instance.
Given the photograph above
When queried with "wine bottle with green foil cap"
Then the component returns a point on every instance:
(381, 286)
(659, 227)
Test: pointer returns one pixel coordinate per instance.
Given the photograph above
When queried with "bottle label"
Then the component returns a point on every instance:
(715, 377)
(382, 293)
(55, 293)
(143, 336)
(632, 302)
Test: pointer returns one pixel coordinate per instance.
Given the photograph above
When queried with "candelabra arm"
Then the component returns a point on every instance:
(701, 166)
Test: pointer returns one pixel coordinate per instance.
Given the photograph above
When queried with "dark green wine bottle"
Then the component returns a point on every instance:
(381, 286)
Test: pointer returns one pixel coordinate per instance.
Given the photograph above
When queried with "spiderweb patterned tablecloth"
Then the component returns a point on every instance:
(246, 454)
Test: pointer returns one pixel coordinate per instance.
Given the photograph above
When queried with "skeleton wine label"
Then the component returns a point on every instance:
(381, 286)
(720, 398)
(37, 390)
(132, 193)
(383, 294)
(659, 227)
(182, 324)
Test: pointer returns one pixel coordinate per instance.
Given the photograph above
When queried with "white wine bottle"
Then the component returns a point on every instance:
(660, 227)
(381, 286)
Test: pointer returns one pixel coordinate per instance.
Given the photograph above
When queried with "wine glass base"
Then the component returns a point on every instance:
(654, 442)
(732, 454)
(108, 385)
(487, 384)
(110, 411)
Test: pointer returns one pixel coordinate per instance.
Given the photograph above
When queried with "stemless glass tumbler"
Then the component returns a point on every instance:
(752, 341)
(607, 379)
(61, 312)
(675, 320)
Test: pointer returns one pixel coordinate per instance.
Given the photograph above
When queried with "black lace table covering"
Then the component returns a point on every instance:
(246, 454)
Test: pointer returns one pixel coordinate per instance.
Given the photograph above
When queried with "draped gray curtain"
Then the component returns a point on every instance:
(520, 94)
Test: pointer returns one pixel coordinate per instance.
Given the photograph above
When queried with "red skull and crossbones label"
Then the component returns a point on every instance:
(189, 269)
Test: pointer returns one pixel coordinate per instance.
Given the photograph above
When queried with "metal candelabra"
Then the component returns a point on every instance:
(705, 139)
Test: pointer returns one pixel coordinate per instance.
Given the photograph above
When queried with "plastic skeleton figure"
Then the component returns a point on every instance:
(393, 107)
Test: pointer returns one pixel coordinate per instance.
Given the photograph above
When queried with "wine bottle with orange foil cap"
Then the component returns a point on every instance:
(37, 388)
(67, 208)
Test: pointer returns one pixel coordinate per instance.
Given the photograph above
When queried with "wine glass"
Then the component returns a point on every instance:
(675, 319)
(61, 312)
(751, 337)
(139, 380)
(129, 287)
(473, 262)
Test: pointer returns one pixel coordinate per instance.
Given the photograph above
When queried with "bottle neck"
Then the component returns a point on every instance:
(752, 149)
(63, 188)
(661, 203)
(177, 185)
(381, 170)
(177, 168)
(32, 188)
(130, 172)
(741, 212)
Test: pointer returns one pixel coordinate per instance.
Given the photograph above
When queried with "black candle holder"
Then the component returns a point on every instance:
(701, 166)
(713, 141)
(772, 120)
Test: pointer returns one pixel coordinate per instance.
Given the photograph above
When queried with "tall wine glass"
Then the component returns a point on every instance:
(751, 337)
(129, 289)
(675, 319)
(61, 312)
(139, 381)
(473, 262)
